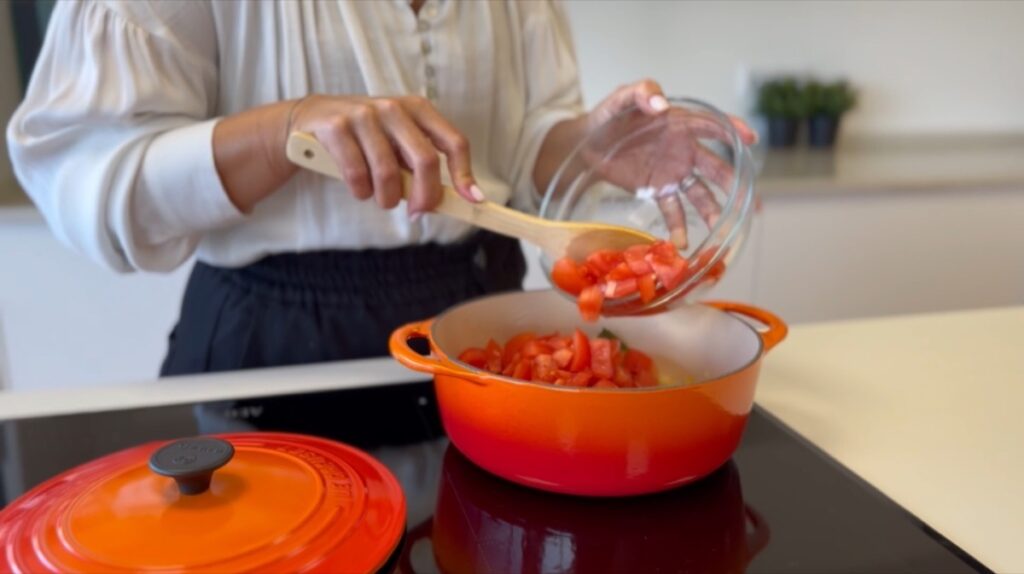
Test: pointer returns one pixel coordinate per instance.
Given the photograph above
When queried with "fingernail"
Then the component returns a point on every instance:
(415, 216)
(659, 103)
(678, 238)
(757, 138)
(478, 195)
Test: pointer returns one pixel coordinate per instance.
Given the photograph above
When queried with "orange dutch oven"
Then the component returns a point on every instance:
(588, 441)
(245, 502)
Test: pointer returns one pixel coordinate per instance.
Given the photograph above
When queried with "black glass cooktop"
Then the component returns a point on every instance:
(779, 506)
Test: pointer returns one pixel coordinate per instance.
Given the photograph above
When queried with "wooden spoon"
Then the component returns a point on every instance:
(556, 238)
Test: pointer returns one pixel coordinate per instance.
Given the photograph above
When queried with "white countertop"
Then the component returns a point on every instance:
(925, 408)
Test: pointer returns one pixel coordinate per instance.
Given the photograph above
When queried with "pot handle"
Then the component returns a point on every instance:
(407, 356)
(775, 328)
(759, 534)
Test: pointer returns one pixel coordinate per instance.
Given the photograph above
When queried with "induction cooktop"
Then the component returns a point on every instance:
(780, 504)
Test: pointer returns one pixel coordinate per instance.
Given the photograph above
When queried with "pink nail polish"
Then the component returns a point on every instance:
(659, 103)
(415, 216)
(477, 194)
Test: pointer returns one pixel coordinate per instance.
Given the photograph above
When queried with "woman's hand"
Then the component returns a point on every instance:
(370, 139)
(660, 161)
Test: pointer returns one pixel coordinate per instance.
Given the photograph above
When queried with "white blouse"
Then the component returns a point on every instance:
(113, 139)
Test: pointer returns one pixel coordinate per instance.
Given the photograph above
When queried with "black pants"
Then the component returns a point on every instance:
(293, 309)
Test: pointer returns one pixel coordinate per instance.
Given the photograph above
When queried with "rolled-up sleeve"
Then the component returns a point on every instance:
(552, 89)
(113, 140)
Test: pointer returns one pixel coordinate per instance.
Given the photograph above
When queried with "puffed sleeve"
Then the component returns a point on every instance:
(113, 141)
(552, 86)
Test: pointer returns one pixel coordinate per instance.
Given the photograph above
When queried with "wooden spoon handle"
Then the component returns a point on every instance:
(306, 151)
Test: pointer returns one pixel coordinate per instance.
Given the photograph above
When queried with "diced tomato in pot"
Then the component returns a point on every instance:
(601, 358)
(475, 357)
(515, 345)
(494, 356)
(580, 352)
(563, 358)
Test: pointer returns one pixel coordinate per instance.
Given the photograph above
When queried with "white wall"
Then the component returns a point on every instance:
(921, 66)
(69, 322)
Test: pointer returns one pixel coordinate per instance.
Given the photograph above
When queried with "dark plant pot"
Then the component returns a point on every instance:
(782, 132)
(822, 130)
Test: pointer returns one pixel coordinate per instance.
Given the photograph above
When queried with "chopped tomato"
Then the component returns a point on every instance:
(536, 347)
(523, 370)
(601, 360)
(475, 357)
(639, 270)
(634, 257)
(570, 276)
(664, 251)
(582, 379)
(645, 379)
(605, 384)
(575, 360)
(580, 352)
(515, 345)
(636, 361)
(603, 260)
(620, 272)
(563, 358)
(621, 288)
(590, 302)
(559, 343)
(622, 377)
(494, 356)
(647, 285)
(670, 274)
(544, 368)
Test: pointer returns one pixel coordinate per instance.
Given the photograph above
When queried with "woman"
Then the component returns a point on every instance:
(152, 131)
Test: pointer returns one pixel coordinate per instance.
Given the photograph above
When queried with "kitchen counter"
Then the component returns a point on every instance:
(926, 408)
(923, 407)
(921, 163)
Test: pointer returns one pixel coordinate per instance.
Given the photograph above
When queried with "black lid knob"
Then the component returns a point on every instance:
(191, 462)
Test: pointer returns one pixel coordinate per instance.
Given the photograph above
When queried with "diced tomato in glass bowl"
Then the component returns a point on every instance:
(644, 271)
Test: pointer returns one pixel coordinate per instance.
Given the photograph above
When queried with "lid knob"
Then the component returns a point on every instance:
(191, 462)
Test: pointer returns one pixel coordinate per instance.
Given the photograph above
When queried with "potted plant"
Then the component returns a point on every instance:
(825, 105)
(780, 102)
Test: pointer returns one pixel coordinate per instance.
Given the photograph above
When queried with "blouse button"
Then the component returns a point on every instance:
(425, 46)
(422, 25)
(431, 92)
(429, 71)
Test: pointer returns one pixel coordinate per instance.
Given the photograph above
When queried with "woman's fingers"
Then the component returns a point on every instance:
(747, 134)
(449, 140)
(344, 149)
(713, 168)
(675, 218)
(380, 156)
(705, 203)
(419, 154)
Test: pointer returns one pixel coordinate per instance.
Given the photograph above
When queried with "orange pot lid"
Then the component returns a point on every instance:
(233, 503)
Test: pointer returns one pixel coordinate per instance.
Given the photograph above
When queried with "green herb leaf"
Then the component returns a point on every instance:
(606, 334)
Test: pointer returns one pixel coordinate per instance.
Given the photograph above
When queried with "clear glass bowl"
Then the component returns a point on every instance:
(639, 170)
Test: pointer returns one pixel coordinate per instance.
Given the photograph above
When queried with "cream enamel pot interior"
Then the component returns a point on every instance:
(596, 442)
